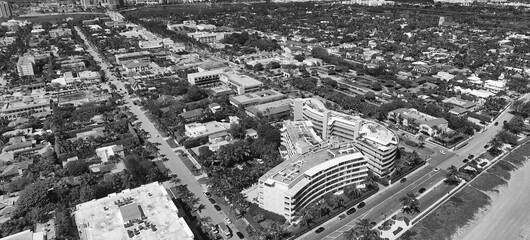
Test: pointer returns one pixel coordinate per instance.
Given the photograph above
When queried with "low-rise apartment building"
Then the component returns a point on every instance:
(280, 108)
(241, 84)
(25, 66)
(495, 86)
(19, 108)
(206, 78)
(256, 98)
(424, 123)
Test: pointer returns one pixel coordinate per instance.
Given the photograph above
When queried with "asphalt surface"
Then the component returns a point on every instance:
(174, 163)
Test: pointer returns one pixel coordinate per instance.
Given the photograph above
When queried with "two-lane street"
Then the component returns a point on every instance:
(386, 201)
(174, 163)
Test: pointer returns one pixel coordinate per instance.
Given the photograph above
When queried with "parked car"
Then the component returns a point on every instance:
(496, 123)
(240, 235)
(342, 216)
(217, 207)
(211, 200)
(436, 169)
(319, 230)
(403, 180)
(442, 151)
(422, 190)
(465, 161)
(351, 211)
(207, 194)
(228, 221)
(471, 156)
(486, 146)
(361, 205)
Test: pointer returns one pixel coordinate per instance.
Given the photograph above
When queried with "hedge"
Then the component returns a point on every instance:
(195, 142)
(479, 117)
(411, 143)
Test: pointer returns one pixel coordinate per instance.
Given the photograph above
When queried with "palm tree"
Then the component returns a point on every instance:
(362, 231)
(350, 234)
(410, 203)
(175, 180)
(421, 140)
(452, 177)
(495, 143)
(200, 208)
(305, 216)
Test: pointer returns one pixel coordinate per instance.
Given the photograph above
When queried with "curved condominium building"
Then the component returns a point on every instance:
(375, 141)
(313, 168)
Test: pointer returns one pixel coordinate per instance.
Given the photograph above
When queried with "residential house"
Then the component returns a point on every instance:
(192, 115)
(106, 152)
(422, 122)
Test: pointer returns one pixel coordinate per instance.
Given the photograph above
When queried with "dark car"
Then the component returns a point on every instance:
(319, 230)
(217, 207)
(403, 180)
(422, 190)
(504, 121)
(351, 211)
(240, 235)
(211, 200)
(361, 205)
(207, 194)
(471, 156)
(486, 146)
(465, 161)
(496, 123)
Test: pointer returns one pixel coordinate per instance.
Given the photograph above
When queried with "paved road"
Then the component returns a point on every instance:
(174, 163)
(387, 201)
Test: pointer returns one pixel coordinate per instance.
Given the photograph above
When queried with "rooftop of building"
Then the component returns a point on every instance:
(25, 235)
(259, 97)
(207, 128)
(205, 73)
(242, 80)
(271, 108)
(459, 102)
(25, 103)
(293, 170)
(133, 54)
(420, 117)
(301, 133)
(377, 135)
(106, 218)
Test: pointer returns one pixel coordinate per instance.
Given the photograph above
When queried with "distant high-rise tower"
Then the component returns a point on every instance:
(5, 10)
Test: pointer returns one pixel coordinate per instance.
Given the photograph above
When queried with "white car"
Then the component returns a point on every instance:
(442, 151)
(228, 221)
(436, 169)
(259, 160)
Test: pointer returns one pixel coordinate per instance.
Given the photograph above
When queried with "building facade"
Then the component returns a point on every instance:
(375, 141)
(25, 66)
(207, 78)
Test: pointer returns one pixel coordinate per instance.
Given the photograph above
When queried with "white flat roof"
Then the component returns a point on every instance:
(102, 219)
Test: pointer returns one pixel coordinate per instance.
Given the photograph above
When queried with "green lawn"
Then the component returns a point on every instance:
(488, 182)
(444, 221)
(500, 170)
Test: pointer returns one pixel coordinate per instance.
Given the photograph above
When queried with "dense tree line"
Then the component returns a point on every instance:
(251, 40)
